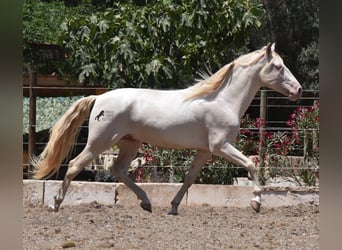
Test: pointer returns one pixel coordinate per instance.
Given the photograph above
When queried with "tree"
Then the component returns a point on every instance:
(161, 44)
(158, 44)
(294, 26)
(41, 29)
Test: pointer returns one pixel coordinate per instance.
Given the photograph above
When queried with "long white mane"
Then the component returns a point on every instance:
(211, 83)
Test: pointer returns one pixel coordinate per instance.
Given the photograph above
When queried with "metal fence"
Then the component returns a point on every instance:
(273, 107)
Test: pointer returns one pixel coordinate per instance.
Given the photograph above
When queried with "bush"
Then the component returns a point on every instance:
(303, 140)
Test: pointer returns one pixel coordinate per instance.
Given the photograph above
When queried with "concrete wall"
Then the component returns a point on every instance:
(161, 194)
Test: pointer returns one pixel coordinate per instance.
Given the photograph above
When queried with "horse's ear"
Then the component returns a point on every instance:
(269, 50)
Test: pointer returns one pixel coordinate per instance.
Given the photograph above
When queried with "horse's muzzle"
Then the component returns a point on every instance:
(296, 95)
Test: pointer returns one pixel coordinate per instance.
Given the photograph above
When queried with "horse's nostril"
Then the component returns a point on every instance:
(299, 90)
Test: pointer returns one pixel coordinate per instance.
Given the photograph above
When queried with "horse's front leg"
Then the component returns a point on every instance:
(230, 153)
(196, 166)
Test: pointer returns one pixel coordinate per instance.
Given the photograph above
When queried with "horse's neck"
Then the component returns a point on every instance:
(240, 88)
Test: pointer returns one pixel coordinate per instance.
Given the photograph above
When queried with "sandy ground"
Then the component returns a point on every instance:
(95, 226)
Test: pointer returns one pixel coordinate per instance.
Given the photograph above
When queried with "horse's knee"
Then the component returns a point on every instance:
(73, 170)
(252, 170)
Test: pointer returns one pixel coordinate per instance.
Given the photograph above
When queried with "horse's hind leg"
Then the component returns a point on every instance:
(74, 168)
(128, 150)
(196, 166)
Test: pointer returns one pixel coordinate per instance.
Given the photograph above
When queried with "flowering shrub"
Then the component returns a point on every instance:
(303, 141)
(248, 140)
(304, 123)
(305, 130)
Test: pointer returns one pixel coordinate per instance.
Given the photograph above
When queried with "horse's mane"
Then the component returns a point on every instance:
(211, 83)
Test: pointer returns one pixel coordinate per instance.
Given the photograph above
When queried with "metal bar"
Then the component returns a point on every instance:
(32, 117)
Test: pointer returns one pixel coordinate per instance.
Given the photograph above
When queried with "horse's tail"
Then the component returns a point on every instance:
(62, 137)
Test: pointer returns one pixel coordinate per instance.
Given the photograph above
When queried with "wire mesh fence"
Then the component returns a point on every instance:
(273, 158)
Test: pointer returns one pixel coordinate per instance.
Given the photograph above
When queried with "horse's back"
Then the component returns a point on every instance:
(159, 117)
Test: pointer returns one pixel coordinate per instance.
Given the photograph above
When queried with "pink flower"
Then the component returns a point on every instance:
(290, 123)
(148, 157)
(256, 161)
(259, 122)
(140, 173)
(268, 135)
(287, 142)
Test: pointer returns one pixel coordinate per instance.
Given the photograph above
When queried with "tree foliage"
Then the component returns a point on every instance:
(159, 44)
(41, 26)
(294, 26)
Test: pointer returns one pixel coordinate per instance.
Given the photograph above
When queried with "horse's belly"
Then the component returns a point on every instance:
(174, 138)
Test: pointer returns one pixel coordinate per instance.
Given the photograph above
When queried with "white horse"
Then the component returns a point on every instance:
(205, 116)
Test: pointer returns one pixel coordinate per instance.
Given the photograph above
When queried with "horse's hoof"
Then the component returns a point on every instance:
(255, 205)
(146, 206)
(57, 203)
(56, 208)
(172, 213)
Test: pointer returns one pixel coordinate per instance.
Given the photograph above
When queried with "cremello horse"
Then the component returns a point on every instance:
(205, 116)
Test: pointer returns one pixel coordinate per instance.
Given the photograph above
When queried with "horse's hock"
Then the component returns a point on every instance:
(160, 194)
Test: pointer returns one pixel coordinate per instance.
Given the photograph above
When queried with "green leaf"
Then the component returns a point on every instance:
(103, 26)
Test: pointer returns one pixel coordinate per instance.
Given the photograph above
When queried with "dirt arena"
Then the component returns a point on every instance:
(95, 226)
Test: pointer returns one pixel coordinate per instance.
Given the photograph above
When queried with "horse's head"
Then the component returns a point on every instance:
(275, 75)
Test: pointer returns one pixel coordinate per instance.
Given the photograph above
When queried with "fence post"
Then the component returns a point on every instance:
(32, 117)
(263, 108)
(315, 136)
(263, 104)
(171, 173)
